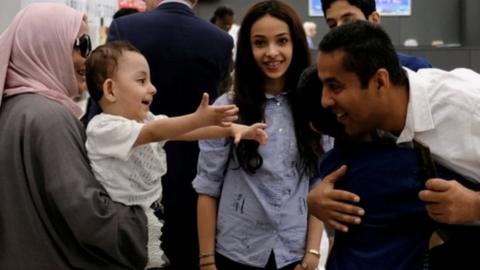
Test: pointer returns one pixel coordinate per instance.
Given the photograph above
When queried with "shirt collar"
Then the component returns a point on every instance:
(419, 116)
(270, 96)
(175, 1)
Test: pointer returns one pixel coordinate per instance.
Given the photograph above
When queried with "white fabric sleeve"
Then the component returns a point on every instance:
(152, 117)
(212, 160)
(111, 136)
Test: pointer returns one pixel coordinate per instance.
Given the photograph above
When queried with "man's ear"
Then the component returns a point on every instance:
(109, 90)
(382, 79)
(374, 17)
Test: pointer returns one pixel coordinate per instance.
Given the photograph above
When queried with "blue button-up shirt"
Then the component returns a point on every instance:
(264, 211)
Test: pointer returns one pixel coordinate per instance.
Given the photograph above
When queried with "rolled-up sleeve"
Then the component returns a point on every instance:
(212, 162)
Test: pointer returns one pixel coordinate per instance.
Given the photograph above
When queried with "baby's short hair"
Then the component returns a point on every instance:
(102, 64)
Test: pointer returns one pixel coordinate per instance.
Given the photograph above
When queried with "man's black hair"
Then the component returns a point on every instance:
(367, 48)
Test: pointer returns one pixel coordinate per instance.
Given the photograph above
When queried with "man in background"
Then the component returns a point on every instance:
(311, 31)
(223, 17)
(339, 12)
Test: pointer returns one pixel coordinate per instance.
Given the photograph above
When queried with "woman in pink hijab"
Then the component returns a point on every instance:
(53, 213)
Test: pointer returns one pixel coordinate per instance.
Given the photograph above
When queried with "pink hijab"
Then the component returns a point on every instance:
(36, 53)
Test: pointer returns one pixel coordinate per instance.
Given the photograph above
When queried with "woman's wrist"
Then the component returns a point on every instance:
(206, 259)
(314, 252)
(206, 255)
(310, 259)
(206, 264)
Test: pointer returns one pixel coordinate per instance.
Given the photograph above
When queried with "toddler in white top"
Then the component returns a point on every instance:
(125, 142)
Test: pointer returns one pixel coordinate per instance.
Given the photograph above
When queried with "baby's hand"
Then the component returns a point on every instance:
(254, 132)
(222, 115)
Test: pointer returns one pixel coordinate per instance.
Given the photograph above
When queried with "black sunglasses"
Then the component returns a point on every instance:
(84, 44)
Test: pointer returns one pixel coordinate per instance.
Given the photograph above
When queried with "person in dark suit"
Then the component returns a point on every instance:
(187, 56)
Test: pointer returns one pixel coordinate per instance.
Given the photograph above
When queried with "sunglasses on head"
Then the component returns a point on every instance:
(84, 45)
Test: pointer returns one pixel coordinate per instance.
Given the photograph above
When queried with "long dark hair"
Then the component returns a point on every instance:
(249, 94)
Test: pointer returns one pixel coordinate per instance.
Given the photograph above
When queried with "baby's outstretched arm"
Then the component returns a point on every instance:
(219, 115)
(254, 132)
(205, 115)
(239, 132)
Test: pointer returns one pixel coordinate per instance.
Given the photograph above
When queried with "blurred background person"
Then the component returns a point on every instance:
(339, 12)
(311, 31)
(223, 17)
(124, 12)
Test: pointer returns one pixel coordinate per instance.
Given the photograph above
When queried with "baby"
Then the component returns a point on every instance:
(125, 142)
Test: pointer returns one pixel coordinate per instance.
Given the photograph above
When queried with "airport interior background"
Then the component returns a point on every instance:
(450, 25)
(445, 32)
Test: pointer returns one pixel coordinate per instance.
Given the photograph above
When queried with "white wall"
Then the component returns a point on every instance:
(96, 10)
(7, 11)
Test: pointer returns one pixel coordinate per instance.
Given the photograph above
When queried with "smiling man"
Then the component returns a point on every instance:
(345, 71)
(364, 84)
